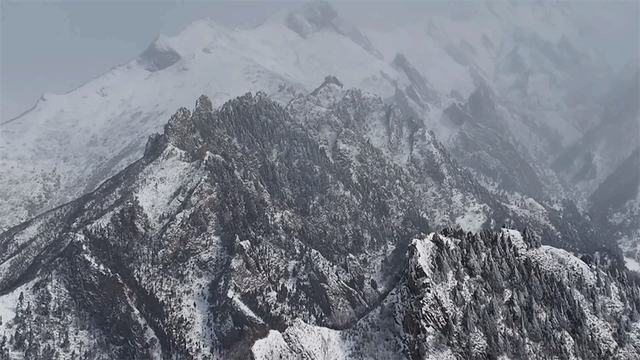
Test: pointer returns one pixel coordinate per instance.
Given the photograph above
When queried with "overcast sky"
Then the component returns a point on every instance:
(56, 46)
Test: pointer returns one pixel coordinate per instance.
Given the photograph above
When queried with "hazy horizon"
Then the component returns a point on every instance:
(54, 47)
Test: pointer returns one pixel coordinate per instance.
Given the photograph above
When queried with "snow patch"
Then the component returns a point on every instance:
(162, 180)
(8, 304)
(272, 347)
(632, 264)
(472, 220)
(562, 263)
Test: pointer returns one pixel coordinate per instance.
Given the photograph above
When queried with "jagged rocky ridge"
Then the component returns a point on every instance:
(255, 217)
(493, 295)
(479, 137)
(53, 154)
(483, 144)
(449, 194)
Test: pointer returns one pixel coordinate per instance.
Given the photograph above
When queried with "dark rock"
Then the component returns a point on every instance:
(458, 113)
(327, 80)
(158, 57)
(420, 84)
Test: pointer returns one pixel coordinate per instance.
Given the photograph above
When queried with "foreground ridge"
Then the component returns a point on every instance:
(256, 229)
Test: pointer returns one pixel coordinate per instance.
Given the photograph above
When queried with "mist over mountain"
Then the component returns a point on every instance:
(465, 187)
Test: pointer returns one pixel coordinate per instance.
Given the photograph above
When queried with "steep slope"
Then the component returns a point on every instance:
(604, 165)
(603, 148)
(242, 220)
(619, 189)
(481, 142)
(616, 205)
(449, 193)
(485, 296)
(67, 144)
(320, 15)
(235, 209)
(478, 134)
(532, 55)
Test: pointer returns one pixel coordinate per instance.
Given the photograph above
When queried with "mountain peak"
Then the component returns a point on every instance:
(327, 80)
(180, 130)
(203, 104)
(318, 15)
(271, 219)
(204, 22)
(159, 55)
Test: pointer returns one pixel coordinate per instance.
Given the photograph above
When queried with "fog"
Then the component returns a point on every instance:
(393, 180)
(55, 46)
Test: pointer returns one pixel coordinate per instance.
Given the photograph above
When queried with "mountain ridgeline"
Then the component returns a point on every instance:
(324, 228)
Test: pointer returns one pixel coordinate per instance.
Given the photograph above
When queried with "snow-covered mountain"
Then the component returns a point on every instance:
(452, 303)
(67, 144)
(605, 146)
(616, 205)
(292, 225)
(371, 216)
(532, 54)
(604, 165)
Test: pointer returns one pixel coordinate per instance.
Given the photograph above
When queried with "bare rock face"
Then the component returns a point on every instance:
(158, 56)
(458, 113)
(318, 15)
(327, 80)
(482, 144)
(616, 202)
(419, 84)
(619, 187)
(299, 25)
(483, 110)
(603, 164)
(180, 129)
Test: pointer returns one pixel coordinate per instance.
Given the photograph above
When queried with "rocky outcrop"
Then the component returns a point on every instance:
(458, 113)
(482, 143)
(619, 187)
(419, 83)
(158, 56)
(318, 15)
(327, 80)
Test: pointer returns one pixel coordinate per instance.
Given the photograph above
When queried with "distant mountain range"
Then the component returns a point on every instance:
(449, 190)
